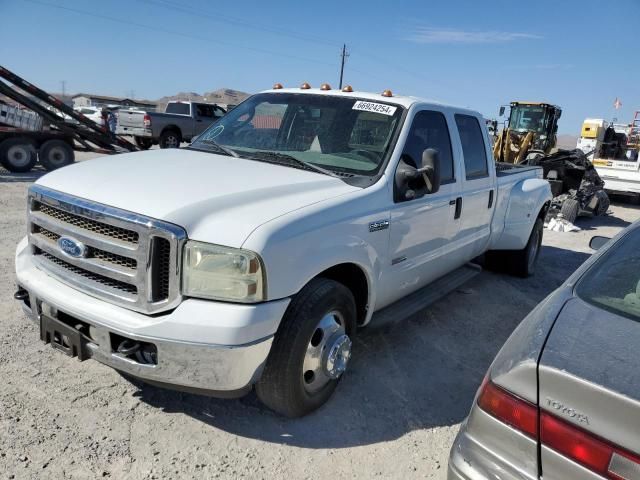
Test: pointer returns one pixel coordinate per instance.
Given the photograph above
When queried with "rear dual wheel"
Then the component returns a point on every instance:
(18, 155)
(521, 263)
(311, 349)
(56, 154)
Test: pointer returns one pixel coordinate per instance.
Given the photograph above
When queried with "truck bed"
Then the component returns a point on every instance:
(504, 169)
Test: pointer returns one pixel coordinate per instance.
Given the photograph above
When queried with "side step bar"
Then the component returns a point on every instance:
(420, 299)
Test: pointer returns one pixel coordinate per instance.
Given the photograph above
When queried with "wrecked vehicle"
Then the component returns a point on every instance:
(576, 186)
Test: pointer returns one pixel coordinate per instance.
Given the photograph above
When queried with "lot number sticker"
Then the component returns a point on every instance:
(374, 107)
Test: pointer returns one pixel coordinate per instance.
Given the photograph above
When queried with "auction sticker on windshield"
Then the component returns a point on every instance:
(374, 107)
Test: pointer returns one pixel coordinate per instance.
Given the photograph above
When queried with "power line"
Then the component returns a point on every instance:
(226, 19)
(181, 34)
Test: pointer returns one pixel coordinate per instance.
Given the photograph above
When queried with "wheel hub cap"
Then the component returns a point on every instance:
(327, 354)
(337, 357)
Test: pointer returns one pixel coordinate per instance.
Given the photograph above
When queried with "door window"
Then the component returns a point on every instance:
(204, 111)
(473, 147)
(429, 130)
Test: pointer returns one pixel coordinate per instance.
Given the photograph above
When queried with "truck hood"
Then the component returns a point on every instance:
(216, 198)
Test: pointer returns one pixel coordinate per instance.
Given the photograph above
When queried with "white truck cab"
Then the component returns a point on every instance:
(252, 257)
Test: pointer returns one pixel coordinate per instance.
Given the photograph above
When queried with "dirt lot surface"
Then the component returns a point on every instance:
(395, 414)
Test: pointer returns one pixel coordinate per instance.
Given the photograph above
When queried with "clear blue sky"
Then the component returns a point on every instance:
(580, 55)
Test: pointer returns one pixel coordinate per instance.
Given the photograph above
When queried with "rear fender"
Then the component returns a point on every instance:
(527, 200)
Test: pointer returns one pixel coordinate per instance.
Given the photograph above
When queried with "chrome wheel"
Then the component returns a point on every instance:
(327, 354)
(171, 141)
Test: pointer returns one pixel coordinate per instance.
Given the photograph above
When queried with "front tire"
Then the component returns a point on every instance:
(311, 349)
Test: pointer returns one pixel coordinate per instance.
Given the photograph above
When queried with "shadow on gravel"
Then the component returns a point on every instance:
(32, 176)
(421, 373)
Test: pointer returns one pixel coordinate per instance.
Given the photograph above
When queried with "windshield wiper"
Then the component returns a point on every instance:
(221, 148)
(284, 158)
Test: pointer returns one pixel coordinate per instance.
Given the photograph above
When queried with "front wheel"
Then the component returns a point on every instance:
(311, 349)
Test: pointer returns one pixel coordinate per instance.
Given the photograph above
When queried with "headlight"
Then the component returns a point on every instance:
(222, 273)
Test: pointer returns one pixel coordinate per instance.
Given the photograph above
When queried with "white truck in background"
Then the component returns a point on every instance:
(614, 152)
(252, 257)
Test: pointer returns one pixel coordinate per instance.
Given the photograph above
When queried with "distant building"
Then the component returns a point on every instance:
(88, 100)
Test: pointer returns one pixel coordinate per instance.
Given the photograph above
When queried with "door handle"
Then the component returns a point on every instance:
(490, 199)
(199, 121)
(458, 208)
(452, 202)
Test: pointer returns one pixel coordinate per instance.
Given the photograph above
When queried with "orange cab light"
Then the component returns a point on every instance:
(305, 86)
(387, 93)
(325, 86)
(347, 89)
(277, 86)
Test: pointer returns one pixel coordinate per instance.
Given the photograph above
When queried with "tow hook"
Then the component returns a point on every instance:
(21, 294)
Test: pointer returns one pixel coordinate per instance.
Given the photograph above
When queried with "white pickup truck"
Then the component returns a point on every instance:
(252, 257)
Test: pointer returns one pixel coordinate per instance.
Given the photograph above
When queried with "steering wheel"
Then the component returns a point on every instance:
(367, 154)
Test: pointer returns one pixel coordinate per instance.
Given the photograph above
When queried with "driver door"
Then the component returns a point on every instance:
(421, 228)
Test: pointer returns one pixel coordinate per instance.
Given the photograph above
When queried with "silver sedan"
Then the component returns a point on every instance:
(562, 398)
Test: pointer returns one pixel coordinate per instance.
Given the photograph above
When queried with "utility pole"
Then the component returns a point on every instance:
(64, 89)
(344, 56)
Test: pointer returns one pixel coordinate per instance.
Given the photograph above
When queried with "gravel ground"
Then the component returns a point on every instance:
(394, 416)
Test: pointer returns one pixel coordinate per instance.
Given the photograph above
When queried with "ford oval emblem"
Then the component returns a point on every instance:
(72, 247)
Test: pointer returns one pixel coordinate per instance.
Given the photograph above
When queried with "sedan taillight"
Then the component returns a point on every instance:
(508, 408)
(579, 445)
(584, 448)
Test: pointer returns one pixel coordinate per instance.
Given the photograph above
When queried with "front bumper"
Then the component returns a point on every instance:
(210, 347)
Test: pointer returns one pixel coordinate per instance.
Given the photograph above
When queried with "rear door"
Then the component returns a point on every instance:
(589, 373)
(475, 207)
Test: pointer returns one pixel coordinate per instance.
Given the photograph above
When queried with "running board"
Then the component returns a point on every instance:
(421, 299)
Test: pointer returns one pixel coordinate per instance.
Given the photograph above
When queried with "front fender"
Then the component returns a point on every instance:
(299, 246)
(526, 201)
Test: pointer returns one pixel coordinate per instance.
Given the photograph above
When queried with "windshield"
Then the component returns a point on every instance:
(613, 283)
(525, 118)
(336, 134)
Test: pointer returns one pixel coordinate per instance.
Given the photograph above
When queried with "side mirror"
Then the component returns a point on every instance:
(501, 111)
(431, 170)
(597, 242)
(411, 182)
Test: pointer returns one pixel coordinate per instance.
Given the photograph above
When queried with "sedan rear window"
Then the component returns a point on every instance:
(613, 283)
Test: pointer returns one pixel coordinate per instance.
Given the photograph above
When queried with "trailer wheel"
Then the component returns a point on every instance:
(170, 139)
(56, 154)
(310, 350)
(569, 210)
(18, 155)
(143, 143)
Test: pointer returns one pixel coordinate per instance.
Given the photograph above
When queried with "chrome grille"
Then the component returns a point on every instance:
(87, 224)
(127, 259)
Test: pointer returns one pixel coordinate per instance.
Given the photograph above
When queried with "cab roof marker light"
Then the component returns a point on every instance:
(347, 89)
(277, 86)
(387, 93)
(305, 86)
(325, 86)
